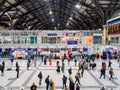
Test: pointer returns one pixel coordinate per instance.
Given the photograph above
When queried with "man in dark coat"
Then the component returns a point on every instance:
(64, 79)
(77, 87)
(40, 76)
(71, 85)
(3, 67)
(17, 70)
(47, 81)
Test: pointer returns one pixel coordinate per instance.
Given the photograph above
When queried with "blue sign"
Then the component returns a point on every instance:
(19, 49)
(71, 42)
(52, 34)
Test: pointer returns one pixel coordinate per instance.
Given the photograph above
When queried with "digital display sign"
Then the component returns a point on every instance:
(71, 42)
(52, 34)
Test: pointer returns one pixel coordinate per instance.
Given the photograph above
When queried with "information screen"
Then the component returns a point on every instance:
(71, 42)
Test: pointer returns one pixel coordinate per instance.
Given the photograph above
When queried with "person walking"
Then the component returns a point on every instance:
(33, 87)
(77, 87)
(3, 67)
(102, 73)
(109, 64)
(111, 72)
(35, 62)
(75, 62)
(50, 61)
(52, 85)
(11, 61)
(57, 63)
(2, 70)
(102, 88)
(17, 64)
(103, 70)
(64, 80)
(63, 67)
(45, 61)
(40, 76)
(47, 82)
(70, 71)
(77, 77)
(58, 69)
(82, 68)
(28, 65)
(71, 84)
(17, 70)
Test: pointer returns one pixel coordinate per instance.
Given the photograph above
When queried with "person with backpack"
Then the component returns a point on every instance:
(40, 76)
(47, 82)
(64, 79)
(111, 72)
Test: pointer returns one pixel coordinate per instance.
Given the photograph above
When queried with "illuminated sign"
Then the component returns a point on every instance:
(71, 42)
(52, 34)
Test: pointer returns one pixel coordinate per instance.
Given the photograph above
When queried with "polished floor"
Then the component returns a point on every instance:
(90, 81)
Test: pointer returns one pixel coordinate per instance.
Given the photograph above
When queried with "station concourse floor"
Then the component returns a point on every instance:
(90, 80)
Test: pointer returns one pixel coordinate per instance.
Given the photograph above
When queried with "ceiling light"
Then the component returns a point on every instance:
(78, 6)
(70, 18)
(50, 12)
(52, 20)
(67, 23)
(55, 28)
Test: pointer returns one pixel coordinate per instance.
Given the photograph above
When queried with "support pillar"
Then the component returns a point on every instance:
(105, 33)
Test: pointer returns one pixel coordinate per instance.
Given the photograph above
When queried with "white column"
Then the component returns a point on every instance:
(105, 33)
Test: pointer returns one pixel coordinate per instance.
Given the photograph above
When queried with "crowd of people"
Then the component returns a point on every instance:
(84, 64)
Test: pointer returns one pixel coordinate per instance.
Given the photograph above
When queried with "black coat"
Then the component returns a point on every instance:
(77, 87)
(72, 85)
(40, 75)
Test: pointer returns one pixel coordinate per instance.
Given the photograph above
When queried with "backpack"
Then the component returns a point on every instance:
(110, 72)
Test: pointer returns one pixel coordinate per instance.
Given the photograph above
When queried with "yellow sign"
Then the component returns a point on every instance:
(89, 40)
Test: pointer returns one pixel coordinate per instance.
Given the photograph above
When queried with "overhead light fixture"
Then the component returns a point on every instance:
(52, 20)
(55, 28)
(50, 12)
(67, 23)
(70, 18)
(78, 6)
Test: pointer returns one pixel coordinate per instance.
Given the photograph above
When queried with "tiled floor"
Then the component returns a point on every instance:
(90, 81)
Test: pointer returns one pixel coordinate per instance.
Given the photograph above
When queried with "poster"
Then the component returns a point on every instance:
(89, 40)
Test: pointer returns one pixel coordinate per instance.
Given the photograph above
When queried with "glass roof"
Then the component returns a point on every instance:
(62, 14)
